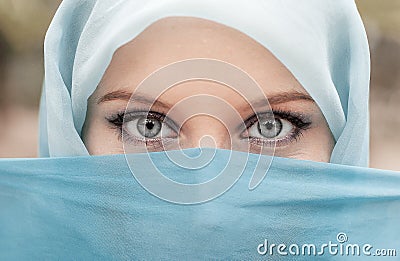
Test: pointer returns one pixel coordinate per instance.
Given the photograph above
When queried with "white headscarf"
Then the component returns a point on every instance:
(322, 43)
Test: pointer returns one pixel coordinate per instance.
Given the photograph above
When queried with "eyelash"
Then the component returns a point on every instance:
(299, 121)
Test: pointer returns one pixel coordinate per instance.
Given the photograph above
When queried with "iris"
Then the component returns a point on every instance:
(270, 128)
(148, 127)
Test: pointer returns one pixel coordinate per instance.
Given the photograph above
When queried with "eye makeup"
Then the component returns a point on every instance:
(298, 123)
(157, 143)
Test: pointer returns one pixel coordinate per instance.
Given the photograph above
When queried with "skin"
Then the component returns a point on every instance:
(179, 38)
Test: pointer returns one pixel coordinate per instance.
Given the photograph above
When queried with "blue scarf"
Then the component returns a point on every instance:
(83, 208)
(322, 44)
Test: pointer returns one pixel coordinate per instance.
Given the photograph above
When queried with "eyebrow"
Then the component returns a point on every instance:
(282, 97)
(127, 96)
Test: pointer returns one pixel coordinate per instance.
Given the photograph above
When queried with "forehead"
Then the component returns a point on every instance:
(180, 38)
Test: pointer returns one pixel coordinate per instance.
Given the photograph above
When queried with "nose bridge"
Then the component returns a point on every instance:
(207, 131)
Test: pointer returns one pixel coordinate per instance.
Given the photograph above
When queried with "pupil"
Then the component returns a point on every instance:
(269, 125)
(149, 124)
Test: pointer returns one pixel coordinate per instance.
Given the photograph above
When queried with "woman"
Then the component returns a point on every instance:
(280, 76)
(298, 130)
(311, 62)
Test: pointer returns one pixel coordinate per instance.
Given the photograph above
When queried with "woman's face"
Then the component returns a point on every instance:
(297, 130)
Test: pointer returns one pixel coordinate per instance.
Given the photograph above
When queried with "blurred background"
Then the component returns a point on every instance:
(23, 25)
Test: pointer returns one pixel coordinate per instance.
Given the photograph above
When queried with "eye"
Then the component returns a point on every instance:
(280, 127)
(271, 128)
(147, 127)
